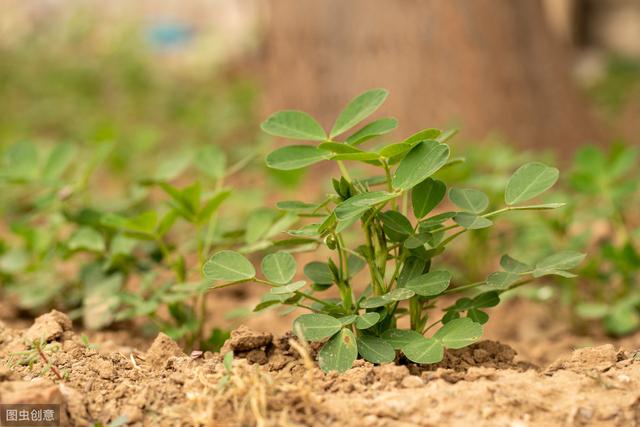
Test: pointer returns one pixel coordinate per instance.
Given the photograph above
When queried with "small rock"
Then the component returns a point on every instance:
(245, 339)
(161, 350)
(48, 327)
(411, 381)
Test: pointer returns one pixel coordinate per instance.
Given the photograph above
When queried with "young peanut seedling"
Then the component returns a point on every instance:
(399, 246)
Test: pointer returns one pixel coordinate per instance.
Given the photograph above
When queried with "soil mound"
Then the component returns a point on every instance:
(274, 381)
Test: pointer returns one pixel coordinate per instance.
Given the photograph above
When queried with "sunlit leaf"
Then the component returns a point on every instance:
(358, 109)
(294, 125)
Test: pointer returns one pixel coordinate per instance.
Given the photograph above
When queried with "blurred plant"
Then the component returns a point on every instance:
(603, 217)
(106, 262)
(400, 253)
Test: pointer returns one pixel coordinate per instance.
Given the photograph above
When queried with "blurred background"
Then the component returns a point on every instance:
(540, 74)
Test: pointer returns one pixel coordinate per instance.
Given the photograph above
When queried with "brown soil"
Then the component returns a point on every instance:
(275, 382)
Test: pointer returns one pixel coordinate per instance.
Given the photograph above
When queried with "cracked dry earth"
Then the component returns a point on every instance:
(274, 382)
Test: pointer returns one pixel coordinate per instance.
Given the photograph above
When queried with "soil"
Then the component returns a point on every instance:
(274, 381)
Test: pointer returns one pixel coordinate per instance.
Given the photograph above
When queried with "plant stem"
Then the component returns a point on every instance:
(265, 282)
(46, 362)
(464, 287)
(343, 170)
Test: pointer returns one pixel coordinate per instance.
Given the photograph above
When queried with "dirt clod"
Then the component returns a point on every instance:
(161, 350)
(48, 327)
(599, 358)
(245, 339)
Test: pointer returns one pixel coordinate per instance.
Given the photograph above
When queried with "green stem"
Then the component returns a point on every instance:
(265, 282)
(464, 287)
(343, 170)
(211, 226)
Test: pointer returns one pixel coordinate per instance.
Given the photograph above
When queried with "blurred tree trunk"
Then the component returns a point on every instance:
(489, 65)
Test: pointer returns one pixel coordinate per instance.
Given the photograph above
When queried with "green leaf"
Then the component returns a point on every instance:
(478, 316)
(339, 353)
(430, 284)
(373, 129)
(423, 135)
(471, 221)
(258, 223)
(374, 302)
(296, 157)
(279, 268)
(339, 148)
(424, 350)
(229, 266)
(294, 125)
(347, 320)
(355, 264)
(417, 240)
(172, 167)
(270, 299)
(295, 206)
(358, 109)
(319, 273)
(59, 160)
(399, 338)
(399, 294)
(355, 206)
(88, 239)
(375, 350)
(512, 265)
(21, 161)
(211, 161)
(287, 289)
(486, 300)
(529, 181)
(623, 319)
(468, 199)
(422, 161)
(122, 245)
(554, 264)
(459, 333)
(592, 310)
(426, 196)
(363, 156)
(396, 226)
(502, 279)
(393, 150)
(367, 320)
(316, 327)
(412, 267)
(144, 223)
(212, 205)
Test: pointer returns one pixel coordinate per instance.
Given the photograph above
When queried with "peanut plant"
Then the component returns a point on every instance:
(395, 224)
